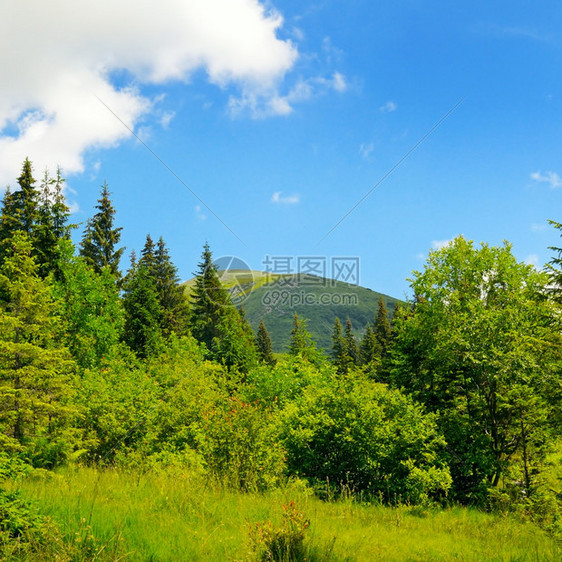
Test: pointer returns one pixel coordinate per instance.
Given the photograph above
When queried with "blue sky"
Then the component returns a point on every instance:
(281, 116)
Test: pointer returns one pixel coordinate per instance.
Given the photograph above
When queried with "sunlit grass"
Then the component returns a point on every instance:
(181, 516)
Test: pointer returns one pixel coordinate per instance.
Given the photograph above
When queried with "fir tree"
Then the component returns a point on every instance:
(351, 347)
(147, 256)
(142, 331)
(173, 302)
(100, 238)
(209, 301)
(339, 355)
(53, 214)
(35, 370)
(263, 344)
(19, 209)
(216, 322)
(370, 347)
(302, 344)
(382, 327)
(26, 201)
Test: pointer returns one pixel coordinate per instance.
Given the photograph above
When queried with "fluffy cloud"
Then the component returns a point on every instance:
(552, 179)
(58, 56)
(288, 200)
(303, 90)
(388, 107)
(366, 149)
(439, 244)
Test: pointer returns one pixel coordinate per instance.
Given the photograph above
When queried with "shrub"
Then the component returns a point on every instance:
(284, 542)
(361, 435)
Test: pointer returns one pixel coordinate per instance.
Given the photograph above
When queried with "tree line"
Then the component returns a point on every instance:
(455, 398)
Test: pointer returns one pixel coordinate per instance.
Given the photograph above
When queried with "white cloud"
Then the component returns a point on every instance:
(388, 107)
(57, 57)
(200, 215)
(551, 178)
(532, 259)
(287, 200)
(538, 227)
(303, 90)
(366, 149)
(438, 244)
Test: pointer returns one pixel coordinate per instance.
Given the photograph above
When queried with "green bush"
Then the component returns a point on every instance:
(239, 444)
(361, 435)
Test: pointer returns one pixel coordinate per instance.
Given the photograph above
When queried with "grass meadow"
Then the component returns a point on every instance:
(175, 516)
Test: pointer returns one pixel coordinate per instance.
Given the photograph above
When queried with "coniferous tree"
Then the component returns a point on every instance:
(100, 238)
(370, 347)
(19, 209)
(302, 344)
(143, 314)
(382, 327)
(52, 224)
(26, 201)
(209, 301)
(147, 255)
(216, 322)
(35, 370)
(554, 267)
(173, 302)
(339, 352)
(263, 343)
(351, 346)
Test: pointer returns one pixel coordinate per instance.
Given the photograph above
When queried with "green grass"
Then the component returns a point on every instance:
(178, 516)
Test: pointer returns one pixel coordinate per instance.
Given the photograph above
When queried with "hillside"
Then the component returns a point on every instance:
(276, 298)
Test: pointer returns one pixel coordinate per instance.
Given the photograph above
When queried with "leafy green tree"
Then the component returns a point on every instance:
(36, 371)
(100, 239)
(479, 350)
(90, 309)
(263, 344)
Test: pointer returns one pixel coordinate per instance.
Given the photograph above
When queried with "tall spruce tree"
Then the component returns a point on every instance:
(20, 209)
(35, 370)
(209, 300)
(171, 295)
(52, 224)
(143, 314)
(370, 347)
(302, 344)
(339, 348)
(351, 344)
(216, 322)
(101, 238)
(263, 344)
(382, 329)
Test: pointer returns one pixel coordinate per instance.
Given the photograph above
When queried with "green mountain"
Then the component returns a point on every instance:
(276, 299)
